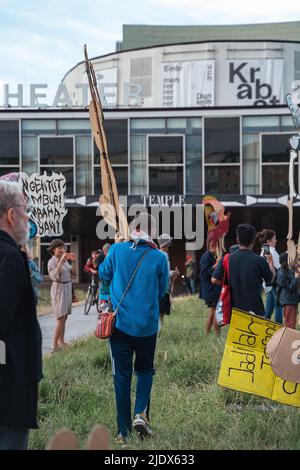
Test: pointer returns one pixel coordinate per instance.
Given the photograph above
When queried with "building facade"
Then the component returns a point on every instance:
(182, 120)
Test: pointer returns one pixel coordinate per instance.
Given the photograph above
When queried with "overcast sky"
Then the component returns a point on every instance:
(40, 41)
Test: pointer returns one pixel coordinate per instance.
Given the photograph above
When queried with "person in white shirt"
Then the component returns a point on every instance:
(267, 239)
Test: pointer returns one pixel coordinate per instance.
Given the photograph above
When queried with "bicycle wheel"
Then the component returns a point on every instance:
(89, 300)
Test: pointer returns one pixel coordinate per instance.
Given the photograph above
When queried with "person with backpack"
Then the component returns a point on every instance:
(287, 296)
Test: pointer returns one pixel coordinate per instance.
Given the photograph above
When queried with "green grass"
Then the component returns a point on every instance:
(188, 409)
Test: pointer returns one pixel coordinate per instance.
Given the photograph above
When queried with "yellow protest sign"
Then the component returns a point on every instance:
(245, 365)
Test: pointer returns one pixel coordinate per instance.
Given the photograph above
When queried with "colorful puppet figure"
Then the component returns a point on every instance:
(217, 223)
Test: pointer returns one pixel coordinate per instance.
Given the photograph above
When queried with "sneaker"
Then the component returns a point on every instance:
(141, 425)
(120, 440)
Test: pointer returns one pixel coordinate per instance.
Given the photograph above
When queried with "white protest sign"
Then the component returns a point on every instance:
(46, 193)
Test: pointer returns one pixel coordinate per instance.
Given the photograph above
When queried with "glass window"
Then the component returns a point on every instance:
(287, 123)
(275, 148)
(193, 157)
(121, 176)
(166, 149)
(222, 180)
(148, 126)
(38, 126)
(9, 139)
(222, 140)
(30, 157)
(251, 163)
(166, 180)
(275, 179)
(56, 150)
(138, 164)
(68, 174)
(84, 165)
(74, 126)
(261, 123)
(117, 142)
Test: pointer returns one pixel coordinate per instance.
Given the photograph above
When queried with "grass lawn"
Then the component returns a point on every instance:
(188, 409)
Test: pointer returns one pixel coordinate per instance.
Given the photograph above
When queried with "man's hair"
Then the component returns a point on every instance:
(245, 234)
(144, 222)
(265, 236)
(9, 195)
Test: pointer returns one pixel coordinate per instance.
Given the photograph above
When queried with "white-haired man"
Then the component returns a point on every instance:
(21, 363)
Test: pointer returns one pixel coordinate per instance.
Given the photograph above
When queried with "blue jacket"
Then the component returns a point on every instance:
(139, 312)
(208, 291)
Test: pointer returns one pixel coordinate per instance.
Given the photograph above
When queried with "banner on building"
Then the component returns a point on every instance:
(252, 82)
(187, 83)
(245, 365)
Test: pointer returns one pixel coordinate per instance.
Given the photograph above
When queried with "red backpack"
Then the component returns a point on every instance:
(223, 309)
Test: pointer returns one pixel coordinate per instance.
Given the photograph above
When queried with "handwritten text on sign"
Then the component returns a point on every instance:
(46, 193)
(246, 366)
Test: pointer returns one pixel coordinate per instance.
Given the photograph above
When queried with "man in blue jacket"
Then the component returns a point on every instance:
(137, 320)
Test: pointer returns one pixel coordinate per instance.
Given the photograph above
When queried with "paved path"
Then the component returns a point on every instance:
(77, 325)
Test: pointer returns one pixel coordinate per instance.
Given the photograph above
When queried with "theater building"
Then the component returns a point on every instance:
(189, 111)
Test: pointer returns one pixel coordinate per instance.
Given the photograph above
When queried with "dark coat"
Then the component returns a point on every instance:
(208, 291)
(20, 333)
(286, 288)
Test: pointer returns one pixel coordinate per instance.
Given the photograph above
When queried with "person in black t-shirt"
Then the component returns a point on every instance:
(247, 270)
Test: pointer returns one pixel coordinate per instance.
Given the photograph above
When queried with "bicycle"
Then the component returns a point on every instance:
(91, 296)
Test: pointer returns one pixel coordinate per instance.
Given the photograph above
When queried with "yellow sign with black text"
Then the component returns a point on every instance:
(245, 365)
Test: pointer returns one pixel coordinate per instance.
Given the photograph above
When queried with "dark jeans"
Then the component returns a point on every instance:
(13, 438)
(271, 305)
(122, 348)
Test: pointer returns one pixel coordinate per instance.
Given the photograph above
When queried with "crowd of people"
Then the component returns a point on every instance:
(249, 275)
(136, 280)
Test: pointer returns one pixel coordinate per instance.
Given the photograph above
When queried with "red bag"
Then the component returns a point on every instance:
(106, 320)
(105, 325)
(223, 309)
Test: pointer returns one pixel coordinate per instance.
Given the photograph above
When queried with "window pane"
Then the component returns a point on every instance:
(84, 166)
(30, 155)
(166, 180)
(251, 163)
(138, 164)
(261, 123)
(148, 126)
(74, 126)
(287, 123)
(117, 142)
(222, 180)
(222, 140)
(165, 150)
(68, 174)
(38, 126)
(56, 150)
(275, 179)
(121, 175)
(9, 142)
(275, 148)
(193, 164)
